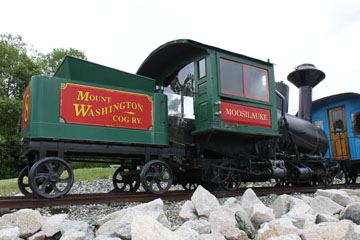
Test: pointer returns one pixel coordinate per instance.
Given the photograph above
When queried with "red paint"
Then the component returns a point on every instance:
(86, 105)
(236, 113)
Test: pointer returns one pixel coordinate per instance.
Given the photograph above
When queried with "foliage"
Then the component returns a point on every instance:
(18, 64)
(52, 61)
(10, 162)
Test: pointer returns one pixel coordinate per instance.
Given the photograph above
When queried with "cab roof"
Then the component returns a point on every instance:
(164, 63)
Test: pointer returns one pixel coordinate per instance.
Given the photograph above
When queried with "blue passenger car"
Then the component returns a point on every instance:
(339, 116)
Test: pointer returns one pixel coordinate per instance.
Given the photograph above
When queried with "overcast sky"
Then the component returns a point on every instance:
(121, 34)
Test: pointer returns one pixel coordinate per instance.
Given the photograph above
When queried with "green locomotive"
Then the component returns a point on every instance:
(193, 114)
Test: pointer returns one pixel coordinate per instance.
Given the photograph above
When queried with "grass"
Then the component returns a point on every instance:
(10, 187)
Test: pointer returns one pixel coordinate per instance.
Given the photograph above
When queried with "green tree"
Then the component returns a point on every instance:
(16, 66)
(52, 61)
(10, 161)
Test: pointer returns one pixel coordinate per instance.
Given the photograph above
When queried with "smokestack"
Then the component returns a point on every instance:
(305, 77)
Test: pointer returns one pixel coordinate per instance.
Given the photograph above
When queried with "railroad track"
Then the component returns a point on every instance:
(105, 198)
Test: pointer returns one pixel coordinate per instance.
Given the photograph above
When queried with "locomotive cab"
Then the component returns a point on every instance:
(215, 97)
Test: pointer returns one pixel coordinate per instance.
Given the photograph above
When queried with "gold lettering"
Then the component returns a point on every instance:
(93, 98)
(82, 97)
(82, 109)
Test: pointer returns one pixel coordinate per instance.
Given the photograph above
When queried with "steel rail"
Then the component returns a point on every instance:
(107, 198)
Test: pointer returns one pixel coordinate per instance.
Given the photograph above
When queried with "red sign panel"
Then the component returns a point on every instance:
(26, 109)
(86, 105)
(236, 113)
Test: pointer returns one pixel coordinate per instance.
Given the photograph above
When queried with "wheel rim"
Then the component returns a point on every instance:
(126, 179)
(156, 177)
(51, 177)
(230, 179)
(23, 181)
(189, 186)
(326, 179)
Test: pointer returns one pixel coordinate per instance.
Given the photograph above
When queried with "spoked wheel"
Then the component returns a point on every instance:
(23, 181)
(156, 177)
(230, 179)
(126, 179)
(350, 178)
(189, 186)
(326, 179)
(281, 183)
(51, 177)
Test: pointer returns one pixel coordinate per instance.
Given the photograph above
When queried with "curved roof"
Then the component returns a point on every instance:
(333, 98)
(164, 63)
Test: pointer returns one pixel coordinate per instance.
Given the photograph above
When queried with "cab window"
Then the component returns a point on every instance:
(180, 93)
(244, 80)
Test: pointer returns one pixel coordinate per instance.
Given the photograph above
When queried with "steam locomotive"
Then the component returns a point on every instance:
(192, 114)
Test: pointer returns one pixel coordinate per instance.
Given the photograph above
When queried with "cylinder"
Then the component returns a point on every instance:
(307, 137)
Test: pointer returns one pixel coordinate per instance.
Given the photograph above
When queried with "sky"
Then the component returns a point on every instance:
(121, 34)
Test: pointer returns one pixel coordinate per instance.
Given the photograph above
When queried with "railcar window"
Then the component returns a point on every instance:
(202, 68)
(232, 79)
(338, 122)
(244, 80)
(257, 85)
(180, 93)
(356, 123)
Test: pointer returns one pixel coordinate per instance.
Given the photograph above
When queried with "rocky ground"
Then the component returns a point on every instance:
(330, 214)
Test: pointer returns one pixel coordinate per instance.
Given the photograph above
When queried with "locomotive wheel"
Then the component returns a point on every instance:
(326, 179)
(23, 181)
(126, 178)
(189, 186)
(230, 179)
(51, 177)
(350, 178)
(156, 177)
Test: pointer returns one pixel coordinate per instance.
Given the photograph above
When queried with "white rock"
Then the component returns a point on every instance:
(281, 205)
(101, 237)
(306, 199)
(339, 230)
(188, 233)
(204, 201)
(4, 225)
(260, 214)
(284, 222)
(147, 228)
(234, 205)
(356, 232)
(325, 205)
(221, 217)
(9, 233)
(188, 211)
(121, 225)
(301, 212)
(52, 224)
(286, 237)
(73, 235)
(29, 221)
(248, 200)
(80, 226)
(201, 226)
(212, 236)
(233, 233)
(37, 236)
(338, 196)
(325, 218)
(266, 231)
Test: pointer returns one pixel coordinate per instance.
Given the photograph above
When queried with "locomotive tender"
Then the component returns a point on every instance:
(193, 114)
